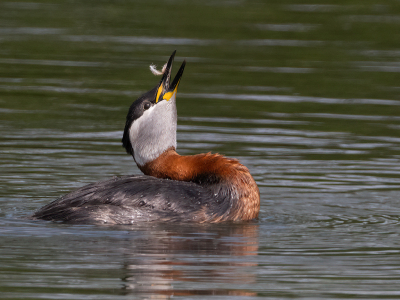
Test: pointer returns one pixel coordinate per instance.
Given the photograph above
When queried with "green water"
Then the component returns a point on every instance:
(306, 94)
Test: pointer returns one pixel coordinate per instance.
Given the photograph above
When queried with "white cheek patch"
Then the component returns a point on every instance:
(154, 132)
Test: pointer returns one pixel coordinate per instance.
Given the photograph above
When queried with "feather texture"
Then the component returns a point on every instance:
(129, 199)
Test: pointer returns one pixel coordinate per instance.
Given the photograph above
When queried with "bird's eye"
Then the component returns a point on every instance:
(146, 105)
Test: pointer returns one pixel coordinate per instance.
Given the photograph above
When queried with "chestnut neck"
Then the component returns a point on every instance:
(173, 166)
(230, 181)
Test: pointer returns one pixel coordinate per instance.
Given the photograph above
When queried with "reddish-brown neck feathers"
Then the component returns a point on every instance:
(211, 169)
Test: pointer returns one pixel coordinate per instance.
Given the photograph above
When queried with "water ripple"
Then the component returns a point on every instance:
(287, 98)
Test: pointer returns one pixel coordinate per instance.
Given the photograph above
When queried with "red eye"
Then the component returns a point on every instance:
(146, 105)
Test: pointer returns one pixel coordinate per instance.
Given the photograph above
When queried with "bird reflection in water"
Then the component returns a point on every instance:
(192, 260)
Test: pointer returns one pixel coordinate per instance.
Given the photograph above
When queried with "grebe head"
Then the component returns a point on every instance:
(150, 127)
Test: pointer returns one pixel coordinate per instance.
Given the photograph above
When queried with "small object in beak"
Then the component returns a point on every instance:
(165, 90)
(153, 69)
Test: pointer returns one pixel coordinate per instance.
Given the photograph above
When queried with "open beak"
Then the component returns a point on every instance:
(166, 90)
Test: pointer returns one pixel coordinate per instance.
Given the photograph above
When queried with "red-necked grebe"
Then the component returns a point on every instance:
(198, 188)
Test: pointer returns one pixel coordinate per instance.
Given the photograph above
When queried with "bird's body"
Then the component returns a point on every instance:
(199, 188)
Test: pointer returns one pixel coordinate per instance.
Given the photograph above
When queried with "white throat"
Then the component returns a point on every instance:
(154, 132)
